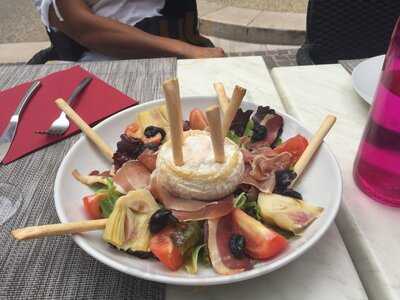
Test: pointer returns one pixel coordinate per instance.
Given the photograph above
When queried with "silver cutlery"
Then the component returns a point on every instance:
(61, 124)
(9, 133)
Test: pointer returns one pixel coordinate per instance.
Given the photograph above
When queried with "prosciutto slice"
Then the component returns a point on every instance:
(172, 202)
(212, 210)
(219, 233)
(253, 150)
(261, 172)
(266, 186)
(148, 158)
(190, 210)
(131, 176)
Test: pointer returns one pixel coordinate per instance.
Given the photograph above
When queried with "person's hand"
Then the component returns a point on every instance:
(204, 52)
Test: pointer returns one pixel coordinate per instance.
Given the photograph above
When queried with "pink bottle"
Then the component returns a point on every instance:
(377, 165)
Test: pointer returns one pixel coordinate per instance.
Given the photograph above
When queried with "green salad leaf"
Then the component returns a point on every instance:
(233, 137)
(107, 205)
(252, 209)
(278, 141)
(191, 261)
(248, 206)
(187, 236)
(240, 200)
(248, 130)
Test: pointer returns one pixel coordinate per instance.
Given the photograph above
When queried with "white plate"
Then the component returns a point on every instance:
(321, 185)
(365, 77)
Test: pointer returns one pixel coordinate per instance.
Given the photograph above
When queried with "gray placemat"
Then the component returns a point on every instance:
(55, 268)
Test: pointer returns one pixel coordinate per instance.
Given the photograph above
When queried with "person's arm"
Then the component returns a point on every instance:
(113, 38)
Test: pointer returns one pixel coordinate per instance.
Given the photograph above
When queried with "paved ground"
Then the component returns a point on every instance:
(299, 6)
(19, 22)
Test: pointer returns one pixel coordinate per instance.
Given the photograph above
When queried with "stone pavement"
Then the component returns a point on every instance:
(251, 25)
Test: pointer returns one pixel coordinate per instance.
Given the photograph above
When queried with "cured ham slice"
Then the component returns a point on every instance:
(261, 172)
(131, 176)
(148, 158)
(267, 185)
(170, 201)
(187, 209)
(262, 167)
(261, 148)
(219, 233)
(212, 210)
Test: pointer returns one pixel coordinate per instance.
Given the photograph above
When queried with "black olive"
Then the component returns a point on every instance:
(261, 112)
(152, 146)
(160, 219)
(186, 125)
(237, 244)
(284, 178)
(141, 254)
(291, 193)
(259, 132)
(240, 121)
(151, 131)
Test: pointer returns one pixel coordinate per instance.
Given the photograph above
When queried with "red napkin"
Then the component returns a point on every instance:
(97, 102)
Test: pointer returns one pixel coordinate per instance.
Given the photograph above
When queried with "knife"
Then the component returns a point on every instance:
(9, 133)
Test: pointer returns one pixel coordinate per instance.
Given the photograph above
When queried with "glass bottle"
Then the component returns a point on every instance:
(377, 165)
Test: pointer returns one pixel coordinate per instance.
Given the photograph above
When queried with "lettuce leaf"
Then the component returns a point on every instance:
(191, 262)
(107, 205)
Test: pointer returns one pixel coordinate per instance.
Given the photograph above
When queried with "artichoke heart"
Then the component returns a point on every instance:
(287, 213)
(127, 227)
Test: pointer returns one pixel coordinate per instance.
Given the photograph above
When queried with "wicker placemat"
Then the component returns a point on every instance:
(55, 268)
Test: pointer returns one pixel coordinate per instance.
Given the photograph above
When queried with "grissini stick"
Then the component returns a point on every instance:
(234, 104)
(173, 100)
(222, 97)
(57, 229)
(217, 139)
(313, 146)
(86, 129)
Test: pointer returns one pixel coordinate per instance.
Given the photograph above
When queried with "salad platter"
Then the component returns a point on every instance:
(194, 193)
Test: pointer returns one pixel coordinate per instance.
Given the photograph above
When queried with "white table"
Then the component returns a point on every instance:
(324, 272)
(370, 230)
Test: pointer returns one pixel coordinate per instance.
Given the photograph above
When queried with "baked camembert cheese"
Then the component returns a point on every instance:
(200, 177)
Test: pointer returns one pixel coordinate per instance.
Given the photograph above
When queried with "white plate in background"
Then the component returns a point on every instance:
(365, 77)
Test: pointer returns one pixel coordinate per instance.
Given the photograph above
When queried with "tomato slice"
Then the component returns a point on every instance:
(164, 249)
(91, 205)
(261, 242)
(295, 146)
(197, 119)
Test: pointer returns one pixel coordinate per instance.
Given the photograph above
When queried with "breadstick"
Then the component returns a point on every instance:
(57, 229)
(237, 97)
(214, 121)
(313, 146)
(86, 129)
(173, 100)
(222, 97)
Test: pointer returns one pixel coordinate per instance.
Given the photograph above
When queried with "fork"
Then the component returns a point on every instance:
(61, 124)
